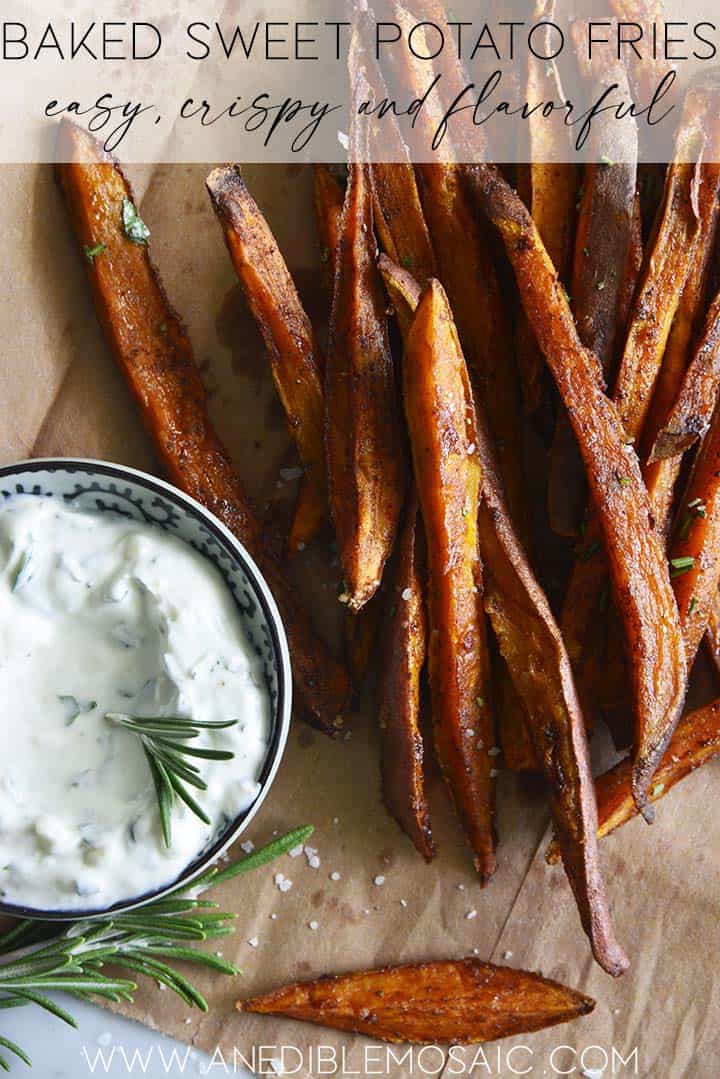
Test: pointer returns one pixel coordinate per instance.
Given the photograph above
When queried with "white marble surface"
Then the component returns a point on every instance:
(103, 1045)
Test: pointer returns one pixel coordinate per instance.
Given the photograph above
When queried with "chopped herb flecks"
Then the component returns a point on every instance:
(91, 253)
(678, 566)
(133, 225)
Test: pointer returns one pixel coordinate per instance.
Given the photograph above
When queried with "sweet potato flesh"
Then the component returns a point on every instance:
(402, 752)
(328, 198)
(286, 330)
(459, 1002)
(441, 422)
(639, 571)
(363, 432)
(155, 355)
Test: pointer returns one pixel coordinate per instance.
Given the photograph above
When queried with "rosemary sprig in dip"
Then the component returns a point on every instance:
(164, 740)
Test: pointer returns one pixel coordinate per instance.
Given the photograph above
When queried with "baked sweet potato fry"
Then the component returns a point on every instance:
(660, 475)
(639, 570)
(328, 198)
(464, 252)
(459, 1001)
(601, 257)
(532, 647)
(665, 269)
(441, 421)
(695, 547)
(363, 433)
(690, 415)
(400, 221)
(154, 353)
(402, 751)
(286, 330)
(550, 191)
(695, 742)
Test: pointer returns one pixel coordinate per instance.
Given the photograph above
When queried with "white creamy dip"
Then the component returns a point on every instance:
(101, 614)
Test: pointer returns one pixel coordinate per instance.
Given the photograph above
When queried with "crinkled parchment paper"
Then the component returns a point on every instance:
(61, 394)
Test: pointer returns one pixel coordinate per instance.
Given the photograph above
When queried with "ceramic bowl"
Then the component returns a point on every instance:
(102, 487)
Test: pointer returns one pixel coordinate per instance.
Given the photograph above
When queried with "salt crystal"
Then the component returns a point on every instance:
(314, 861)
(335, 875)
(282, 882)
(313, 925)
(406, 593)
(253, 942)
(470, 915)
(403, 902)
(507, 955)
(248, 846)
(295, 852)
(379, 881)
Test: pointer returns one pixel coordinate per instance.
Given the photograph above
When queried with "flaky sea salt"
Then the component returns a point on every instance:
(379, 881)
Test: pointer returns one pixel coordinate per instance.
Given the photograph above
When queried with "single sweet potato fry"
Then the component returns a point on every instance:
(532, 647)
(696, 740)
(550, 192)
(599, 281)
(458, 1002)
(441, 422)
(286, 330)
(402, 751)
(639, 571)
(690, 415)
(399, 219)
(363, 431)
(328, 198)
(695, 546)
(154, 353)
(463, 248)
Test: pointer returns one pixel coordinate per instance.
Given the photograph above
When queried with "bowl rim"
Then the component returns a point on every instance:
(281, 721)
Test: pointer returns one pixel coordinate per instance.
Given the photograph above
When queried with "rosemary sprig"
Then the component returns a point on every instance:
(34, 960)
(163, 739)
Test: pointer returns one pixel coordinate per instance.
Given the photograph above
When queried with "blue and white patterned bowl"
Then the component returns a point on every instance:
(102, 487)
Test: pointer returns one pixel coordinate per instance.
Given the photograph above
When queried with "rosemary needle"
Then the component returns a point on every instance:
(164, 741)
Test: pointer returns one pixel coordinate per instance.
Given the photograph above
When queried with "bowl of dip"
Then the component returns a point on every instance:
(120, 594)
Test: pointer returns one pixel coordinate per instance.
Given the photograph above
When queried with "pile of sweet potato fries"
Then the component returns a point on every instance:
(410, 440)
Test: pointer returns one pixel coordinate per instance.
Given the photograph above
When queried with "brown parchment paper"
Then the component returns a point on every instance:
(60, 395)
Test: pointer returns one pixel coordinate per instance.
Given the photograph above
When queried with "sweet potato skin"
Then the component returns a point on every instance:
(697, 538)
(328, 198)
(690, 415)
(402, 751)
(531, 646)
(154, 353)
(287, 332)
(399, 219)
(601, 273)
(441, 422)
(459, 1002)
(363, 433)
(639, 571)
(695, 742)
